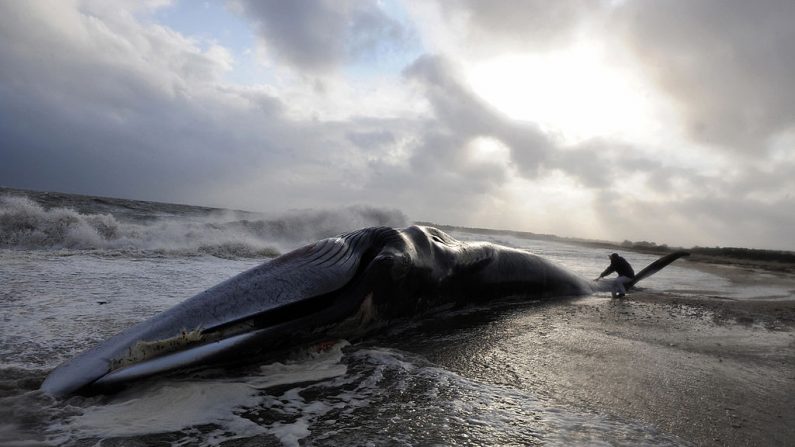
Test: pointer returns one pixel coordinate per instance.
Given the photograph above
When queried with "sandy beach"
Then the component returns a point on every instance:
(710, 371)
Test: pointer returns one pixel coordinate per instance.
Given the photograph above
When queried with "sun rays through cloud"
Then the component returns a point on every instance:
(671, 122)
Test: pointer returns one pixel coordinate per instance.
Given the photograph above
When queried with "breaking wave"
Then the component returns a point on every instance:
(25, 224)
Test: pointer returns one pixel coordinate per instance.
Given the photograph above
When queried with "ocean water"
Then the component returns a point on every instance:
(75, 270)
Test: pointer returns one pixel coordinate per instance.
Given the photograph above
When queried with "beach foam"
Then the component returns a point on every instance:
(170, 406)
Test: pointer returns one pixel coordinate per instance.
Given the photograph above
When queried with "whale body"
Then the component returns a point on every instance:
(340, 286)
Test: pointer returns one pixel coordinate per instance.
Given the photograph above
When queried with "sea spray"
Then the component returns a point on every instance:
(24, 224)
(29, 224)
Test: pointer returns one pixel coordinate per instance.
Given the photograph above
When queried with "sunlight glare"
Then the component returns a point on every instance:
(575, 93)
(486, 150)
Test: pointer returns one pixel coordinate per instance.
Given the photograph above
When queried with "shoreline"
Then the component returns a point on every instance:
(701, 372)
(782, 261)
(710, 369)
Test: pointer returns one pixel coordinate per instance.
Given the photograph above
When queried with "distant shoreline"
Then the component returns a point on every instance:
(772, 260)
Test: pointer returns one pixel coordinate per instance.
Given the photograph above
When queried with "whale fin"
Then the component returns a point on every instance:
(656, 266)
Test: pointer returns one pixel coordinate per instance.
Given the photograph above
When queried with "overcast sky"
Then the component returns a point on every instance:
(671, 121)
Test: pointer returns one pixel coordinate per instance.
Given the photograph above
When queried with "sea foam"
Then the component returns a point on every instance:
(26, 224)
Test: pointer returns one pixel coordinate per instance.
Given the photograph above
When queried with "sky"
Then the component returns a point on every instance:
(671, 122)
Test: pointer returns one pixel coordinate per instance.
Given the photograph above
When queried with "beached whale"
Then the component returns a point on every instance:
(341, 286)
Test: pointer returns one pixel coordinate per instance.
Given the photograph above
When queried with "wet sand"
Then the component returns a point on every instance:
(711, 371)
(683, 368)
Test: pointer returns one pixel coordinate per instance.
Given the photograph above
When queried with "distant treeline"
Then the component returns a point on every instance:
(747, 253)
(729, 252)
(753, 254)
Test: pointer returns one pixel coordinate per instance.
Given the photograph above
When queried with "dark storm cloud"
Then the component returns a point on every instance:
(729, 64)
(319, 35)
(94, 101)
(97, 103)
(75, 112)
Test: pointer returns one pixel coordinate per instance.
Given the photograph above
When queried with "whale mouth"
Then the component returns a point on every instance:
(292, 323)
(254, 335)
(346, 310)
(176, 359)
(249, 337)
(289, 300)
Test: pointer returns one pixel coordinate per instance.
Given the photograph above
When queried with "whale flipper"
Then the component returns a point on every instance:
(655, 267)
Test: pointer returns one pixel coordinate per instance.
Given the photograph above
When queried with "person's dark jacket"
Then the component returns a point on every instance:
(620, 266)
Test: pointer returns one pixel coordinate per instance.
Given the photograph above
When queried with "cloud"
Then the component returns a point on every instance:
(638, 196)
(97, 98)
(322, 35)
(728, 64)
(488, 29)
(462, 116)
(729, 68)
(97, 101)
(521, 23)
(704, 220)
